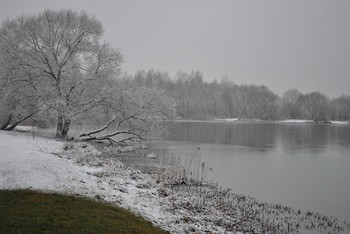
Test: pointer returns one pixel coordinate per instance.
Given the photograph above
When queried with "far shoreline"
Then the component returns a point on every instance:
(285, 121)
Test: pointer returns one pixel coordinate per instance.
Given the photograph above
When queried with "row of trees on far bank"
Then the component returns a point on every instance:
(198, 99)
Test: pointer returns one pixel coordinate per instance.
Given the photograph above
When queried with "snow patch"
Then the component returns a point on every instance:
(228, 120)
(339, 122)
(151, 155)
(26, 129)
(298, 121)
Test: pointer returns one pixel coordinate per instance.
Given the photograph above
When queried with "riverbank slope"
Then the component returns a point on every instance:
(176, 206)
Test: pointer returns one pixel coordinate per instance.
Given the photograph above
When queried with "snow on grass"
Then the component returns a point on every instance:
(28, 163)
(227, 120)
(79, 168)
(339, 122)
(41, 164)
(151, 155)
(26, 129)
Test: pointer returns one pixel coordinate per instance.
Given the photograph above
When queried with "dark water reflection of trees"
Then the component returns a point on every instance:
(292, 138)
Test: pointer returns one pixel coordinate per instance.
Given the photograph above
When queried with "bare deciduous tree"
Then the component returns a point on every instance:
(137, 113)
(63, 49)
(340, 108)
(316, 105)
(291, 104)
(18, 96)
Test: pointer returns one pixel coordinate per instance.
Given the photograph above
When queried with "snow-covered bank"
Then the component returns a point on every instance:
(240, 120)
(28, 163)
(305, 121)
(227, 120)
(40, 164)
(296, 121)
(339, 122)
(79, 168)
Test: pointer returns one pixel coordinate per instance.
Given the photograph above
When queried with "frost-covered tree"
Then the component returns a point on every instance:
(316, 106)
(340, 108)
(213, 103)
(18, 96)
(263, 103)
(229, 98)
(256, 102)
(188, 91)
(64, 53)
(291, 103)
(136, 114)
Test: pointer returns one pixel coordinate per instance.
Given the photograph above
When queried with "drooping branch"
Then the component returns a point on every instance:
(98, 130)
(129, 134)
(87, 105)
(109, 137)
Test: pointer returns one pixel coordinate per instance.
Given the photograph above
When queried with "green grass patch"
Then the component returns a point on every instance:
(25, 211)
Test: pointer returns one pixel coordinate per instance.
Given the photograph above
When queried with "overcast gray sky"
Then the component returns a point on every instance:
(281, 44)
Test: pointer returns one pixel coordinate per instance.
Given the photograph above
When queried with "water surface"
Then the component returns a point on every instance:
(304, 166)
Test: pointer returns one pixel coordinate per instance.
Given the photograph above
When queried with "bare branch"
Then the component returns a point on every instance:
(98, 130)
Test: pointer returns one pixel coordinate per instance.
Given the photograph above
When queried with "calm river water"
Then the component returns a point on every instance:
(304, 166)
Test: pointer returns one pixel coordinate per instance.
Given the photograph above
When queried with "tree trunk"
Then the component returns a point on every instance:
(65, 128)
(63, 124)
(60, 120)
(13, 125)
(59, 125)
(4, 126)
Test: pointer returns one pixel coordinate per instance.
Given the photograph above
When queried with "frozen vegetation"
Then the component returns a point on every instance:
(168, 197)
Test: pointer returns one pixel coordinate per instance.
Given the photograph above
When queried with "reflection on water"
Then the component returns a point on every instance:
(257, 136)
(263, 136)
(304, 166)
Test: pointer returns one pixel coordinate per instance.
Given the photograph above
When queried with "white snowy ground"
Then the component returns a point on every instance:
(79, 168)
(40, 164)
(26, 129)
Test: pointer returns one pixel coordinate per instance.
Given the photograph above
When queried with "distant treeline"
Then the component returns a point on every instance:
(198, 99)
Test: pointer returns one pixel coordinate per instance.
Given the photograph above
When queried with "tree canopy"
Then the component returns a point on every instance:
(59, 64)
